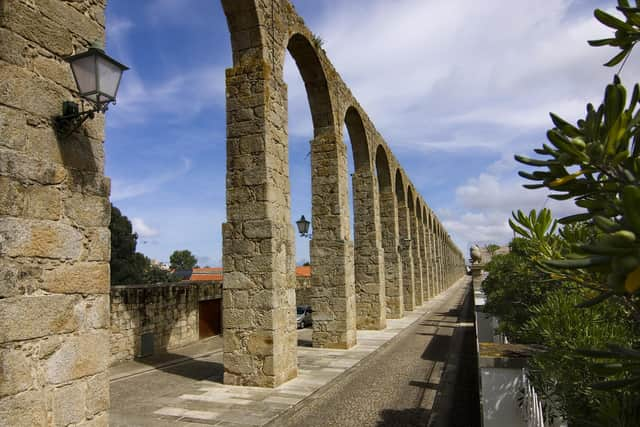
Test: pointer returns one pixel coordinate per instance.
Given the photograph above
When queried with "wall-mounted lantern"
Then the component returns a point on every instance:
(303, 227)
(97, 77)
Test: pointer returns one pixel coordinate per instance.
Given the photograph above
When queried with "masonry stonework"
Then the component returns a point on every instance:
(54, 214)
(54, 217)
(168, 311)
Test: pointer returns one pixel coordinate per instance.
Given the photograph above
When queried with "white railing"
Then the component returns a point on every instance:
(531, 406)
(532, 409)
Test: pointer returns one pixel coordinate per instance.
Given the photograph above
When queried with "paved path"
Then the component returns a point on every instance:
(190, 392)
(426, 376)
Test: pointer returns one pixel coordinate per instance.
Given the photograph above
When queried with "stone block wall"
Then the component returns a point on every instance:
(54, 217)
(303, 290)
(169, 311)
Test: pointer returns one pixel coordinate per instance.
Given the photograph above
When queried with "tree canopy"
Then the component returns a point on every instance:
(128, 266)
(183, 260)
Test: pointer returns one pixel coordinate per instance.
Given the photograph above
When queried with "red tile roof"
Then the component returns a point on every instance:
(303, 271)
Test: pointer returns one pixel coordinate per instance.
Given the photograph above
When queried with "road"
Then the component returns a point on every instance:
(426, 376)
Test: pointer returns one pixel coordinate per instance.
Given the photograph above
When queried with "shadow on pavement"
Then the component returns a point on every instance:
(195, 369)
(404, 417)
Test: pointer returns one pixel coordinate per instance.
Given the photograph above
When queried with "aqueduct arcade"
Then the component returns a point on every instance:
(400, 255)
(54, 214)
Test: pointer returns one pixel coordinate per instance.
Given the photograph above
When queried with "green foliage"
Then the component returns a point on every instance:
(514, 287)
(627, 32)
(565, 375)
(492, 248)
(183, 260)
(128, 266)
(604, 151)
(317, 41)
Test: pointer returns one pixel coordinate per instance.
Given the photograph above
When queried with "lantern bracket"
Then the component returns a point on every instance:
(72, 118)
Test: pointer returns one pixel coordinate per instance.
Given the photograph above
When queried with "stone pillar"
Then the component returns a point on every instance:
(260, 337)
(392, 262)
(438, 258)
(431, 256)
(443, 279)
(425, 260)
(369, 256)
(406, 255)
(333, 290)
(54, 218)
(416, 251)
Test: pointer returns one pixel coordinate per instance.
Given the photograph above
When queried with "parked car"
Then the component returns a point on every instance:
(303, 316)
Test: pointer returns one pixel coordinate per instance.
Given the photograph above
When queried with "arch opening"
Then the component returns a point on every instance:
(315, 82)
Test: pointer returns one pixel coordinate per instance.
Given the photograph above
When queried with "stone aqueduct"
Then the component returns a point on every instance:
(400, 255)
(54, 215)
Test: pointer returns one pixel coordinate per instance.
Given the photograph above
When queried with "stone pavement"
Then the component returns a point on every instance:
(204, 400)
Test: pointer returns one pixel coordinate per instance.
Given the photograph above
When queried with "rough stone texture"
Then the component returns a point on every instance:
(169, 311)
(303, 290)
(369, 256)
(54, 215)
(392, 262)
(406, 254)
(354, 283)
(416, 251)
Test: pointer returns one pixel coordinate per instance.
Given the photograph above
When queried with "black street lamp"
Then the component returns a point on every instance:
(303, 227)
(97, 77)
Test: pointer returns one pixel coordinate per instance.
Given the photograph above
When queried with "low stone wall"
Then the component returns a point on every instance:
(169, 311)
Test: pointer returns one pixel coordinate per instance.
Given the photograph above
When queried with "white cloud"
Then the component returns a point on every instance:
(121, 189)
(144, 231)
(178, 97)
(485, 205)
(440, 76)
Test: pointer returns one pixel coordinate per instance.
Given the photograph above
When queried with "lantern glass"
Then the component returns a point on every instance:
(84, 70)
(303, 225)
(97, 75)
(109, 74)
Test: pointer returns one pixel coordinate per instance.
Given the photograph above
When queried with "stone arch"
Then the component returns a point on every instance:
(332, 250)
(258, 237)
(400, 193)
(388, 208)
(382, 169)
(412, 198)
(368, 253)
(404, 246)
(359, 140)
(406, 210)
(426, 221)
(315, 82)
(245, 30)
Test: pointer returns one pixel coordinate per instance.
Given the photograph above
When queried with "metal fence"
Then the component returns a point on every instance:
(534, 411)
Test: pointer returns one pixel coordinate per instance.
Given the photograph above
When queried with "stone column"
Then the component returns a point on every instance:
(260, 337)
(438, 258)
(369, 256)
(54, 218)
(417, 258)
(392, 262)
(431, 255)
(443, 280)
(425, 260)
(333, 290)
(406, 255)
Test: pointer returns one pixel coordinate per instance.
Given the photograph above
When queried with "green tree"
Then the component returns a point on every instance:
(492, 248)
(183, 260)
(127, 265)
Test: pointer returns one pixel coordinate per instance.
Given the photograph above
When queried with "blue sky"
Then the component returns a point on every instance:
(455, 89)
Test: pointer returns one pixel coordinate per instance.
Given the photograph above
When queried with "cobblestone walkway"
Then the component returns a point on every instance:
(179, 395)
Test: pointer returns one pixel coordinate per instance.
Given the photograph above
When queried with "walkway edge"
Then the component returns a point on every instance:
(347, 373)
